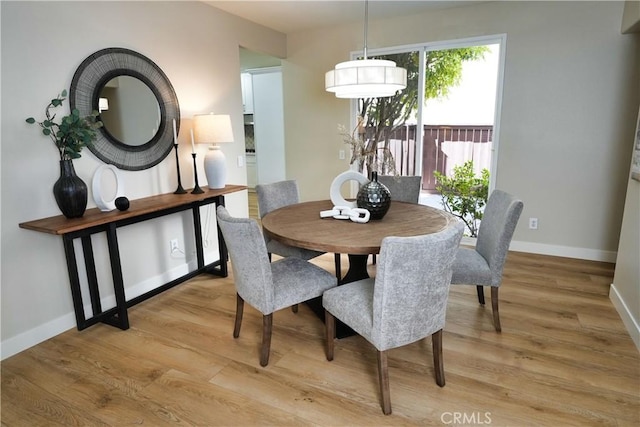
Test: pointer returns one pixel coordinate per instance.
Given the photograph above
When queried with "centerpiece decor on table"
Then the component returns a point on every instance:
(70, 135)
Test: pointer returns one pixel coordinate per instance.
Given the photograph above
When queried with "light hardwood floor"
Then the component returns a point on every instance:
(563, 359)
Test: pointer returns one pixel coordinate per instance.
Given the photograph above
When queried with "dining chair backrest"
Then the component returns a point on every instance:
(276, 195)
(412, 286)
(498, 224)
(249, 260)
(402, 188)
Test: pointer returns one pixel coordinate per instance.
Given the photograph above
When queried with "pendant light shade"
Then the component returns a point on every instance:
(365, 78)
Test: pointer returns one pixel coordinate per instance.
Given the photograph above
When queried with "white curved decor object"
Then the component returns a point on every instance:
(96, 186)
(334, 192)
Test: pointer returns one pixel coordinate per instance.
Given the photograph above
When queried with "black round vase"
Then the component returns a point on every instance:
(70, 191)
(374, 197)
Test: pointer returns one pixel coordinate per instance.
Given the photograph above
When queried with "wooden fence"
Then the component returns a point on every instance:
(443, 148)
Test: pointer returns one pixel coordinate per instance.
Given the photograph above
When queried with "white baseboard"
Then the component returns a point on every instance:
(34, 336)
(43, 332)
(554, 250)
(625, 314)
(564, 251)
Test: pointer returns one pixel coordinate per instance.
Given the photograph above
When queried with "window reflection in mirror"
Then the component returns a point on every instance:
(132, 113)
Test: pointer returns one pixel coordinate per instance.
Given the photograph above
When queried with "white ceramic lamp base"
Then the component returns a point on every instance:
(215, 168)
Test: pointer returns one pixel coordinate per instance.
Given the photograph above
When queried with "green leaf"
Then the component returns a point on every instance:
(46, 131)
(56, 102)
(63, 93)
(31, 120)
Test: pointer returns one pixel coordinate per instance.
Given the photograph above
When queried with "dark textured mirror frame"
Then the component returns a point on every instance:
(89, 79)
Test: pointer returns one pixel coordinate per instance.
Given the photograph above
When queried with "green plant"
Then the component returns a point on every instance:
(464, 195)
(72, 133)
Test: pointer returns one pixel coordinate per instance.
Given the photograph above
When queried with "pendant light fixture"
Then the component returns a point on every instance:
(365, 78)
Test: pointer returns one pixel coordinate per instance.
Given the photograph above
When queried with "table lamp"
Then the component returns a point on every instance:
(213, 129)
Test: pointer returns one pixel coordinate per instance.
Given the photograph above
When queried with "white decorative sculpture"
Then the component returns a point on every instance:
(98, 197)
(336, 185)
(344, 212)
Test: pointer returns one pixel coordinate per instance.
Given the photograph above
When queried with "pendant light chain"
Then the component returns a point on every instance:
(366, 24)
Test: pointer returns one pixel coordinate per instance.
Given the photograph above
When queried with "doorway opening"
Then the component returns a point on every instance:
(261, 84)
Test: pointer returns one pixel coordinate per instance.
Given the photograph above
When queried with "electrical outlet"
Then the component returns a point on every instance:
(533, 223)
(173, 245)
(341, 154)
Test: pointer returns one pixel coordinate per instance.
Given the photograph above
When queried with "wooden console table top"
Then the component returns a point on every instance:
(60, 225)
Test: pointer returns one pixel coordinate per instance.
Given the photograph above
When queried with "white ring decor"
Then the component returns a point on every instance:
(336, 196)
(96, 186)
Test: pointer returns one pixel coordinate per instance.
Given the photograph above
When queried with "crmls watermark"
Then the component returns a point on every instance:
(464, 418)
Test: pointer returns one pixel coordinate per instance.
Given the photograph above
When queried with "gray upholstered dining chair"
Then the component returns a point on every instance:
(402, 188)
(276, 195)
(266, 286)
(483, 265)
(405, 303)
(273, 196)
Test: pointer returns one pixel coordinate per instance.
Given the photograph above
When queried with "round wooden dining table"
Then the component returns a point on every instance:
(300, 225)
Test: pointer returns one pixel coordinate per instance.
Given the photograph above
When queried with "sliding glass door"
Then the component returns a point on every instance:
(447, 115)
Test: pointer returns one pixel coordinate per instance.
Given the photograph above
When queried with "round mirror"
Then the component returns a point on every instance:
(137, 105)
(128, 110)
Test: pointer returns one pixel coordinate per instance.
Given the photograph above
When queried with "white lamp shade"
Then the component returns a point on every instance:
(212, 128)
(365, 78)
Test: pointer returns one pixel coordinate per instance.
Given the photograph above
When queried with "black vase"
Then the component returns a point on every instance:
(374, 197)
(70, 191)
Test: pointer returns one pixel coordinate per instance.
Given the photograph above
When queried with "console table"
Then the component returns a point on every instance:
(94, 221)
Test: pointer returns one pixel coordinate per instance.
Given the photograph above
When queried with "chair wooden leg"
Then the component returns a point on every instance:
(438, 363)
(480, 290)
(373, 259)
(494, 307)
(269, 255)
(330, 328)
(337, 261)
(294, 308)
(267, 323)
(383, 377)
(239, 311)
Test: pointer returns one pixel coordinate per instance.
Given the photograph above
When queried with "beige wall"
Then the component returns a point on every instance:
(570, 95)
(43, 43)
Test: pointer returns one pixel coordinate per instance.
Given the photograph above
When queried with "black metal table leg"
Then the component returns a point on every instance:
(197, 226)
(118, 281)
(92, 279)
(74, 281)
(222, 247)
